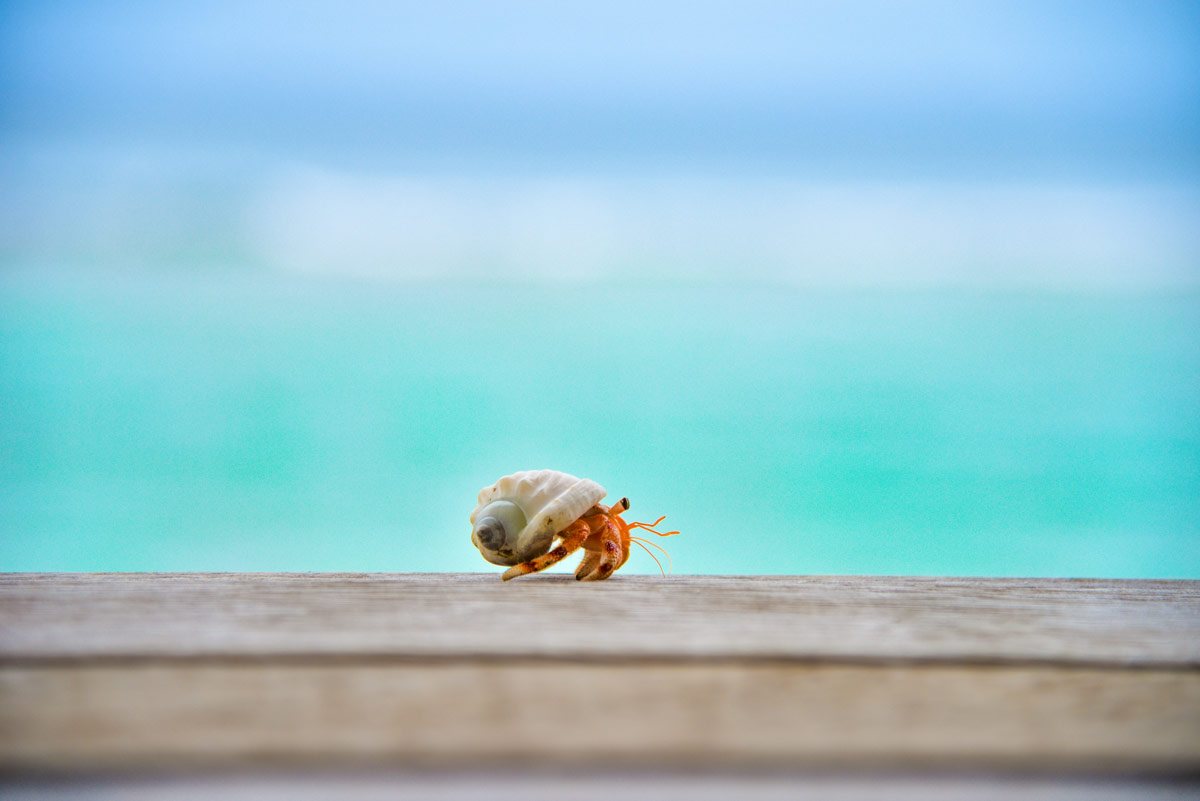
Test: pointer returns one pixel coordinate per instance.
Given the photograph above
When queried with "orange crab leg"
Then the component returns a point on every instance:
(592, 545)
(591, 559)
(607, 547)
(572, 537)
(610, 552)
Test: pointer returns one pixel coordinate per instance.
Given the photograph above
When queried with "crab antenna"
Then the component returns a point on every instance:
(652, 556)
(659, 547)
(650, 527)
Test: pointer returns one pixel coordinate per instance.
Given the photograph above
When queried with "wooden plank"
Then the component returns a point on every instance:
(146, 671)
(595, 783)
(815, 618)
(540, 713)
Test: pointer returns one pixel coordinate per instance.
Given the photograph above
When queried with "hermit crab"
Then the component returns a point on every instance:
(519, 517)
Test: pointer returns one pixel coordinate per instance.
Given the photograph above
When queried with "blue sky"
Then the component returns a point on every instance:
(833, 88)
(1037, 144)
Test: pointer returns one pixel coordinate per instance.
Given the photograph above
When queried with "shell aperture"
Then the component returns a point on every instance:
(518, 516)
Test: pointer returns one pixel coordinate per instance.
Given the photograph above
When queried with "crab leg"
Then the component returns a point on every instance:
(590, 560)
(595, 518)
(610, 553)
(572, 537)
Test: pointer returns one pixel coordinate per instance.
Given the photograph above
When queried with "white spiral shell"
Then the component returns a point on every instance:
(530, 507)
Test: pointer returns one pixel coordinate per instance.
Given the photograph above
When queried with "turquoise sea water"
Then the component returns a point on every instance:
(213, 421)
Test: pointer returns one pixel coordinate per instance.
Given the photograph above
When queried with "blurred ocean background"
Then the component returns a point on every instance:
(838, 287)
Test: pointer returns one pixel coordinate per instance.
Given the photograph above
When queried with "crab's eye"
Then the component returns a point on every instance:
(497, 522)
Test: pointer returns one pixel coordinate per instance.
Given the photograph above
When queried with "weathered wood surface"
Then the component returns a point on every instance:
(600, 783)
(136, 671)
(539, 713)
(871, 618)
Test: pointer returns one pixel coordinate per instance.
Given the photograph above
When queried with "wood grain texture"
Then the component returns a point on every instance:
(1083, 622)
(542, 714)
(593, 784)
(188, 670)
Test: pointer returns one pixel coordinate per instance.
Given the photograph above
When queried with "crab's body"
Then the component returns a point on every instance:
(519, 517)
